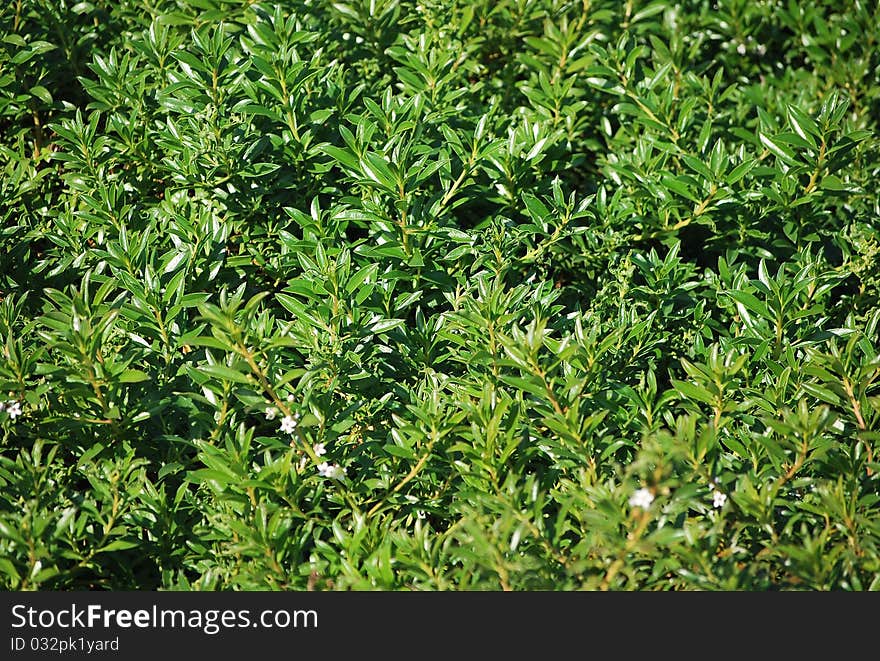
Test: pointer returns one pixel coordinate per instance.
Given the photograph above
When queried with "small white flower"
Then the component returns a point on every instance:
(303, 462)
(290, 397)
(333, 471)
(839, 425)
(320, 449)
(13, 408)
(718, 499)
(741, 49)
(288, 424)
(271, 412)
(762, 50)
(641, 498)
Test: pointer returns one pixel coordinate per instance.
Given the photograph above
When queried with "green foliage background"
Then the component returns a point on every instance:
(579, 294)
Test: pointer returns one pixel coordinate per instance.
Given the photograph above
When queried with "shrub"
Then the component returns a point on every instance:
(439, 295)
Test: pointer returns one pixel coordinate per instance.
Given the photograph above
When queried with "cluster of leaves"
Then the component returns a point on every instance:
(450, 294)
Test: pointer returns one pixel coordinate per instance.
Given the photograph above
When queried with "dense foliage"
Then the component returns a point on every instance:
(440, 295)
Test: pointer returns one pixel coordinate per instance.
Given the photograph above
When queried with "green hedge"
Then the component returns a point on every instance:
(440, 295)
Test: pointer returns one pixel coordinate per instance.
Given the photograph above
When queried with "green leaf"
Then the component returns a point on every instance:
(342, 157)
(526, 385)
(821, 393)
(385, 325)
(118, 545)
(376, 169)
(133, 376)
(693, 391)
(778, 149)
(748, 303)
(41, 93)
(224, 373)
(740, 171)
